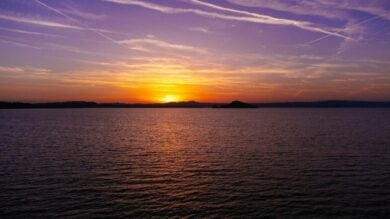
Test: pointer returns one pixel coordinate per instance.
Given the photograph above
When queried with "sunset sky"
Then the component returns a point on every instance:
(203, 50)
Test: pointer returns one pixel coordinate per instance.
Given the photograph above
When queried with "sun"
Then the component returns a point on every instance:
(170, 98)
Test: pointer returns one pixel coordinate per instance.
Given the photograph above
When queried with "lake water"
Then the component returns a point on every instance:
(222, 163)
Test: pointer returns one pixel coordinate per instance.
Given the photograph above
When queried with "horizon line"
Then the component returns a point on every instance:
(191, 101)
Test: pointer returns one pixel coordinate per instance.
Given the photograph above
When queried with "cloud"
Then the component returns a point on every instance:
(81, 26)
(294, 7)
(272, 20)
(18, 44)
(324, 8)
(29, 32)
(200, 29)
(249, 16)
(11, 69)
(18, 69)
(143, 44)
(340, 10)
(72, 49)
(376, 8)
(38, 22)
(53, 24)
(83, 14)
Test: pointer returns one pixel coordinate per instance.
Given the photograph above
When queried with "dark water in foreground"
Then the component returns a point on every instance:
(195, 162)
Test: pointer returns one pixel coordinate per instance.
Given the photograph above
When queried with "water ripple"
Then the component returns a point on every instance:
(187, 163)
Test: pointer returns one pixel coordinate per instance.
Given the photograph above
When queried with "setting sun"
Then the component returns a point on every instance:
(170, 98)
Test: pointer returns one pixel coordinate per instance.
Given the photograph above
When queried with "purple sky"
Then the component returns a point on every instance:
(173, 50)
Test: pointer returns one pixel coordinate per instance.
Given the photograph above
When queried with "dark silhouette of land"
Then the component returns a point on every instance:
(237, 104)
(86, 104)
(193, 104)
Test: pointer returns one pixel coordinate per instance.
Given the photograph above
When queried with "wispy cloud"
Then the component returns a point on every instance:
(72, 49)
(7, 69)
(334, 9)
(29, 32)
(82, 14)
(53, 24)
(357, 29)
(327, 9)
(34, 21)
(144, 43)
(80, 24)
(200, 29)
(375, 8)
(23, 69)
(249, 16)
(293, 7)
(17, 44)
(272, 20)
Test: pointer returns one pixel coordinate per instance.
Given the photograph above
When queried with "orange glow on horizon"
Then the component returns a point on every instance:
(170, 98)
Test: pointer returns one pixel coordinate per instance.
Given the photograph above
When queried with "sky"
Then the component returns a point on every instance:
(145, 51)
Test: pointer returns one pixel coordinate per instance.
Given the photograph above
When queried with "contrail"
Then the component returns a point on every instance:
(79, 23)
(328, 35)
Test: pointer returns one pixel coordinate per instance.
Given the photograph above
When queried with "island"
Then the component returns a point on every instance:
(237, 104)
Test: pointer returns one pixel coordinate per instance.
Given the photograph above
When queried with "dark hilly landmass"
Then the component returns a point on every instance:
(237, 104)
(193, 104)
(86, 104)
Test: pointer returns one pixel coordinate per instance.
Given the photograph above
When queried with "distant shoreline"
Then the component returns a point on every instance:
(193, 104)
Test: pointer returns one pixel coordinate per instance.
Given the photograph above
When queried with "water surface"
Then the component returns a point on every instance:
(195, 163)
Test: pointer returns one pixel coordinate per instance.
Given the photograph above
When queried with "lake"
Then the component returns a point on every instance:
(214, 163)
